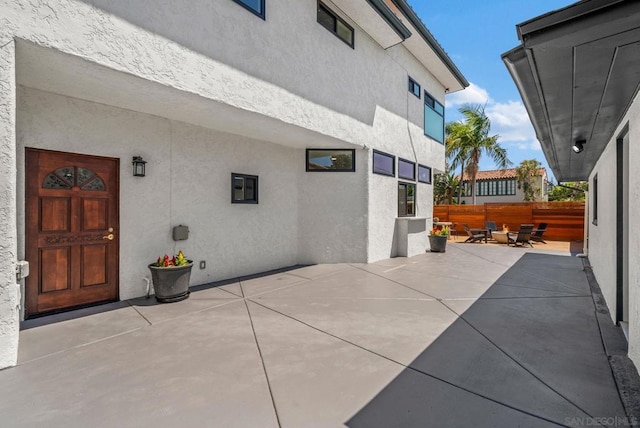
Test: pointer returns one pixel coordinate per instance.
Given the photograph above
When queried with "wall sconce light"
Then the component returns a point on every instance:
(578, 146)
(138, 166)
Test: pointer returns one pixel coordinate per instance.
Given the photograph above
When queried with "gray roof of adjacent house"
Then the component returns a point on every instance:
(578, 70)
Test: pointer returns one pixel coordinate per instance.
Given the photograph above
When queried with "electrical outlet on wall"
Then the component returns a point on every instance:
(203, 264)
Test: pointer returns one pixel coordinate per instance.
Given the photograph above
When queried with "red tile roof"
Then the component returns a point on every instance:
(496, 174)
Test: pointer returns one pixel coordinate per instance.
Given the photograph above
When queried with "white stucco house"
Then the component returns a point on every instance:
(280, 132)
(501, 185)
(578, 71)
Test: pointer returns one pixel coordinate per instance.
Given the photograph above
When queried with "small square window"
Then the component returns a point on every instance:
(406, 169)
(244, 189)
(384, 163)
(335, 24)
(254, 6)
(406, 199)
(414, 88)
(424, 174)
(331, 160)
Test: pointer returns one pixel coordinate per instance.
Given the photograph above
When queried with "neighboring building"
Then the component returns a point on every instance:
(281, 132)
(578, 71)
(500, 185)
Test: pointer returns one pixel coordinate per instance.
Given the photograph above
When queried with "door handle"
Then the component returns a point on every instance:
(109, 237)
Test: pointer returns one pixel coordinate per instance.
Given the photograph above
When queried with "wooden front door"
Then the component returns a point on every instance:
(71, 230)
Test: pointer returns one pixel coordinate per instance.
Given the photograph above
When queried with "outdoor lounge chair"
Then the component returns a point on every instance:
(491, 227)
(523, 236)
(472, 237)
(536, 235)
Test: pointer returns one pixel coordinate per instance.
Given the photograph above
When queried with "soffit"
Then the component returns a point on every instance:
(578, 70)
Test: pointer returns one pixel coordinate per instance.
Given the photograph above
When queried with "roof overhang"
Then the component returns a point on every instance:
(578, 70)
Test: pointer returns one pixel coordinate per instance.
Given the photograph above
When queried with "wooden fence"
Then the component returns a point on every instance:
(565, 220)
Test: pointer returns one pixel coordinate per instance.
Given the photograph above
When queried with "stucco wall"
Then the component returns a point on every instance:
(8, 250)
(188, 182)
(602, 241)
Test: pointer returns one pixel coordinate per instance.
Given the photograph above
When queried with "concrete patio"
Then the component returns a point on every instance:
(482, 335)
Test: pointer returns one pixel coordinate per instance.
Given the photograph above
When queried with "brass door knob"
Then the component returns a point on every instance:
(109, 237)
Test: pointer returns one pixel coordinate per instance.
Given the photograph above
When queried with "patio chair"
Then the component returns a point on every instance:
(523, 236)
(536, 235)
(472, 237)
(491, 227)
(453, 231)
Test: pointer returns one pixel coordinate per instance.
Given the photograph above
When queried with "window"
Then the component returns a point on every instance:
(331, 160)
(433, 118)
(424, 174)
(255, 6)
(414, 87)
(406, 199)
(595, 200)
(384, 164)
(244, 189)
(505, 187)
(335, 24)
(406, 169)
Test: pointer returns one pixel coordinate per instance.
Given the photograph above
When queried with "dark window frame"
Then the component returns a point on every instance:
(253, 200)
(261, 13)
(393, 163)
(428, 101)
(336, 19)
(595, 200)
(406, 201)
(413, 85)
(413, 165)
(430, 174)
(353, 161)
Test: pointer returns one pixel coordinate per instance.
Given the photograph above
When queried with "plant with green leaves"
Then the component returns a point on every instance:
(468, 140)
(526, 176)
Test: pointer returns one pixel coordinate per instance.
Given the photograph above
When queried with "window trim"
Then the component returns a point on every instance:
(373, 165)
(234, 175)
(413, 178)
(336, 18)
(427, 97)
(430, 174)
(353, 160)
(413, 84)
(415, 190)
(261, 14)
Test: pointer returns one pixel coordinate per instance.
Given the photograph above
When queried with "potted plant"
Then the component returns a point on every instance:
(170, 277)
(438, 239)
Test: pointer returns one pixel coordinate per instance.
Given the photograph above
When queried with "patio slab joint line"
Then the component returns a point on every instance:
(405, 366)
(516, 361)
(264, 367)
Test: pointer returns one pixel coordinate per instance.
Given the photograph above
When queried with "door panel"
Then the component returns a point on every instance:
(71, 230)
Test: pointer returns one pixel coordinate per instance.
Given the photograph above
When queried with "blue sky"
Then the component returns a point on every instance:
(474, 34)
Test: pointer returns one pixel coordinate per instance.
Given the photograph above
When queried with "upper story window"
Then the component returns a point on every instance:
(424, 174)
(433, 118)
(331, 160)
(414, 87)
(502, 187)
(384, 163)
(406, 169)
(255, 6)
(335, 24)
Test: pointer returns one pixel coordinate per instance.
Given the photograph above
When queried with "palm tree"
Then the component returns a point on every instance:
(455, 151)
(470, 140)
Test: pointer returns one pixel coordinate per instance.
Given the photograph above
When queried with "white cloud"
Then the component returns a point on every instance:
(473, 94)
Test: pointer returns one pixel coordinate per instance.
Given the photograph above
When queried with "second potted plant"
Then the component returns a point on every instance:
(438, 239)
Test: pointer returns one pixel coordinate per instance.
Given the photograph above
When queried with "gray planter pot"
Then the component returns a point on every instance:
(438, 243)
(171, 284)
